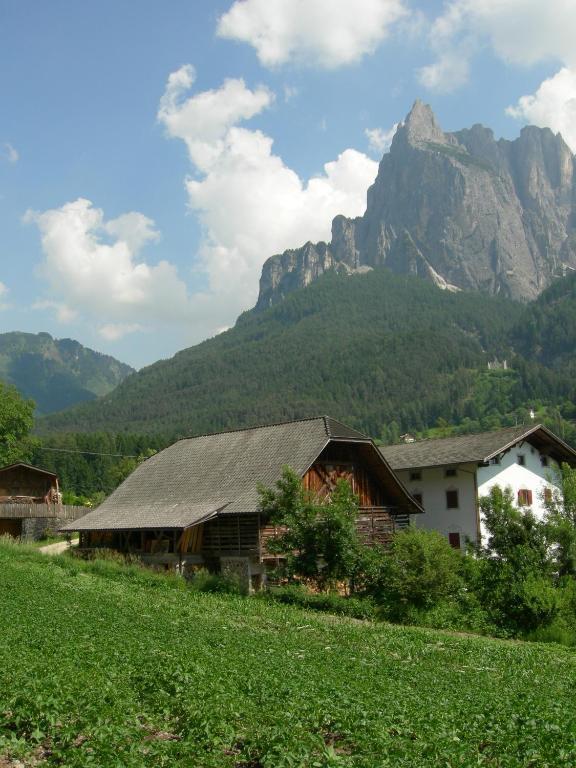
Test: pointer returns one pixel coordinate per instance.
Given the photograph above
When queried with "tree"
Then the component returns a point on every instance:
(561, 522)
(16, 420)
(318, 539)
(514, 579)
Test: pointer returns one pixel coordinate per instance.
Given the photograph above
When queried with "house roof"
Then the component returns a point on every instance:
(462, 449)
(28, 466)
(199, 477)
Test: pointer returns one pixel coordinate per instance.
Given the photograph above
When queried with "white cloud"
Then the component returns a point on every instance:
(3, 293)
(379, 140)
(10, 153)
(448, 72)
(315, 32)
(134, 229)
(553, 105)
(105, 279)
(203, 120)
(520, 32)
(250, 204)
(116, 331)
(64, 313)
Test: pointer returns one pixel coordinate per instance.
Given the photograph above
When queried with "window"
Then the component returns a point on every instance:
(451, 499)
(521, 460)
(454, 540)
(416, 474)
(450, 472)
(548, 494)
(417, 498)
(524, 497)
(544, 461)
(495, 460)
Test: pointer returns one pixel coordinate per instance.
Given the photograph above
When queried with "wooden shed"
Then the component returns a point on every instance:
(197, 501)
(30, 505)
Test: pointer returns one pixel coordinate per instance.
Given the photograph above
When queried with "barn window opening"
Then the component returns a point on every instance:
(452, 499)
(416, 475)
(454, 540)
(450, 472)
(544, 461)
(521, 459)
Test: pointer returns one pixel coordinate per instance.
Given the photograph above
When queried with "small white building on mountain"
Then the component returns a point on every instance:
(448, 476)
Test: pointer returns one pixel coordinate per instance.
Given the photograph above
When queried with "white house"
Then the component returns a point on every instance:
(448, 476)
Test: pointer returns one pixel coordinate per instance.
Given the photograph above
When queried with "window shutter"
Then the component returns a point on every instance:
(524, 497)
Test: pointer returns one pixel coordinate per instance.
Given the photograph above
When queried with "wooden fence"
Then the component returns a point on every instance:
(24, 511)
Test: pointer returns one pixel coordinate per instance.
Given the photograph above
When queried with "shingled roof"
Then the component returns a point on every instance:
(28, 466)
(463, 449)
(198, 477)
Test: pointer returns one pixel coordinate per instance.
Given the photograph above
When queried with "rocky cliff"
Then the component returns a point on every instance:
(460, 209)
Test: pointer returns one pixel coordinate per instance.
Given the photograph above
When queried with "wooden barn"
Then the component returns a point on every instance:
(27, 494)
(30, 503)
(196, 502)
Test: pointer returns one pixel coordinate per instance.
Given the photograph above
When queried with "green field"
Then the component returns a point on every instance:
(106, 666)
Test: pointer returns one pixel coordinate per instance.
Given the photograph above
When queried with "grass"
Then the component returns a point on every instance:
(107, 665)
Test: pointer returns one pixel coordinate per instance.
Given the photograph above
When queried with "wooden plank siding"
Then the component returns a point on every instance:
(231, 534)
(26, 510)
(322, 477)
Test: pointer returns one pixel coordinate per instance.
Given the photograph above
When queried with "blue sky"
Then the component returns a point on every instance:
(153, 155)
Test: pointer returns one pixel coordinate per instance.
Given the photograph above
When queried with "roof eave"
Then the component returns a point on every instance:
(28, 466)
(536, 428)
(418, 507)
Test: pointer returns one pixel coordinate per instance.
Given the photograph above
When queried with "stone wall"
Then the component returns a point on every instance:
(40, 520)
(34, 528)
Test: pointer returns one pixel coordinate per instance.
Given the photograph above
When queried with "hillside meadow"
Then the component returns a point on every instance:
(109, 665)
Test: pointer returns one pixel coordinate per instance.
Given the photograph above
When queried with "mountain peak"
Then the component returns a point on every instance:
(421, 125)
(459, 209)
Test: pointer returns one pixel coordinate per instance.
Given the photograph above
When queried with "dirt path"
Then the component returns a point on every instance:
(58, 548)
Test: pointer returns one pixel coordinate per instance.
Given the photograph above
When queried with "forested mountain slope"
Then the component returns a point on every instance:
(371, 349)
(546, 331)
(56, 373)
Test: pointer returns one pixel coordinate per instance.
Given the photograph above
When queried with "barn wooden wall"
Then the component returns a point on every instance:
(24, 481)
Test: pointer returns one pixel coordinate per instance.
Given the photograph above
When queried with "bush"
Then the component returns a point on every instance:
(559, 631)
(331, 602)
(106, 555)
(419, 571)
(216, 583)
(119, 566)
(460, 614)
